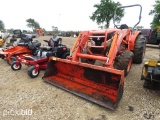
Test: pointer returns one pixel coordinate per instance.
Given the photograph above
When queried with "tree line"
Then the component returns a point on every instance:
(31, 23)
(103, 14)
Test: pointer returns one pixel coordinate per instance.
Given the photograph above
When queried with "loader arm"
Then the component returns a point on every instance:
(80, 43)
(117, 41)
(85, 36)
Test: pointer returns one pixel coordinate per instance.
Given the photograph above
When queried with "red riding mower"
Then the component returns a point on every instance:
(26, 46)
(39, 61)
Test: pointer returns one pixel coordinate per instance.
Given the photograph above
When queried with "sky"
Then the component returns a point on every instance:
(66, 14)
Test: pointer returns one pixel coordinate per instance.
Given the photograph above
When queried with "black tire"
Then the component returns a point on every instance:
(124, 61)
(31, 73)
(12, 60)
(14, 67)
(64, 55)
(139, 49)
(148, 85)
(2, 57)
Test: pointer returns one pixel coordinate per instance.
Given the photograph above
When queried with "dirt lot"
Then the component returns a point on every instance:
(32, 99)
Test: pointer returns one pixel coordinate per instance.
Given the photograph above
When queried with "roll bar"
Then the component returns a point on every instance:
(115, 14)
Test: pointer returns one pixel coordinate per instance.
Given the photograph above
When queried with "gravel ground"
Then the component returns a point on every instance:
(32, 99)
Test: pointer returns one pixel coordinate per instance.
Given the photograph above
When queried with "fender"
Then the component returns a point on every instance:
(13, 58)
(133, 39)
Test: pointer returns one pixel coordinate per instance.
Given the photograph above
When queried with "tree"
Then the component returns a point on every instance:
(31, 23)
(101, 27)
(2, 27)
(24, 31)
(105, 12)
(156, 13)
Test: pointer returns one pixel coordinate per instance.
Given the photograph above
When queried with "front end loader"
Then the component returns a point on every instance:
(97, 64)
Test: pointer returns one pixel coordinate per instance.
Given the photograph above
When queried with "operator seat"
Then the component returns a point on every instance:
(124, 26)
(25, 39)
(53, 44)
(54, 41)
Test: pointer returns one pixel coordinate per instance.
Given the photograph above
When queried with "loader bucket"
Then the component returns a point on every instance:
(101, 85)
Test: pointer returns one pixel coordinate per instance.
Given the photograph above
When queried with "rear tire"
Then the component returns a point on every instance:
(15, 67)
(124, 62)
(139, 49)
(32, 73)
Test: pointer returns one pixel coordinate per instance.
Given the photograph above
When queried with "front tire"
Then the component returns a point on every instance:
(15, 67)
(124, 62)
(32, 72)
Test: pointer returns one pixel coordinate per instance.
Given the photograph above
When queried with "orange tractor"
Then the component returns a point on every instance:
(97, 64)
(40, 32)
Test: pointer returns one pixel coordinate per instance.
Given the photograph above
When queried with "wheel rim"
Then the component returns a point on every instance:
(129, 65)
(16, 66)
(34, 73)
